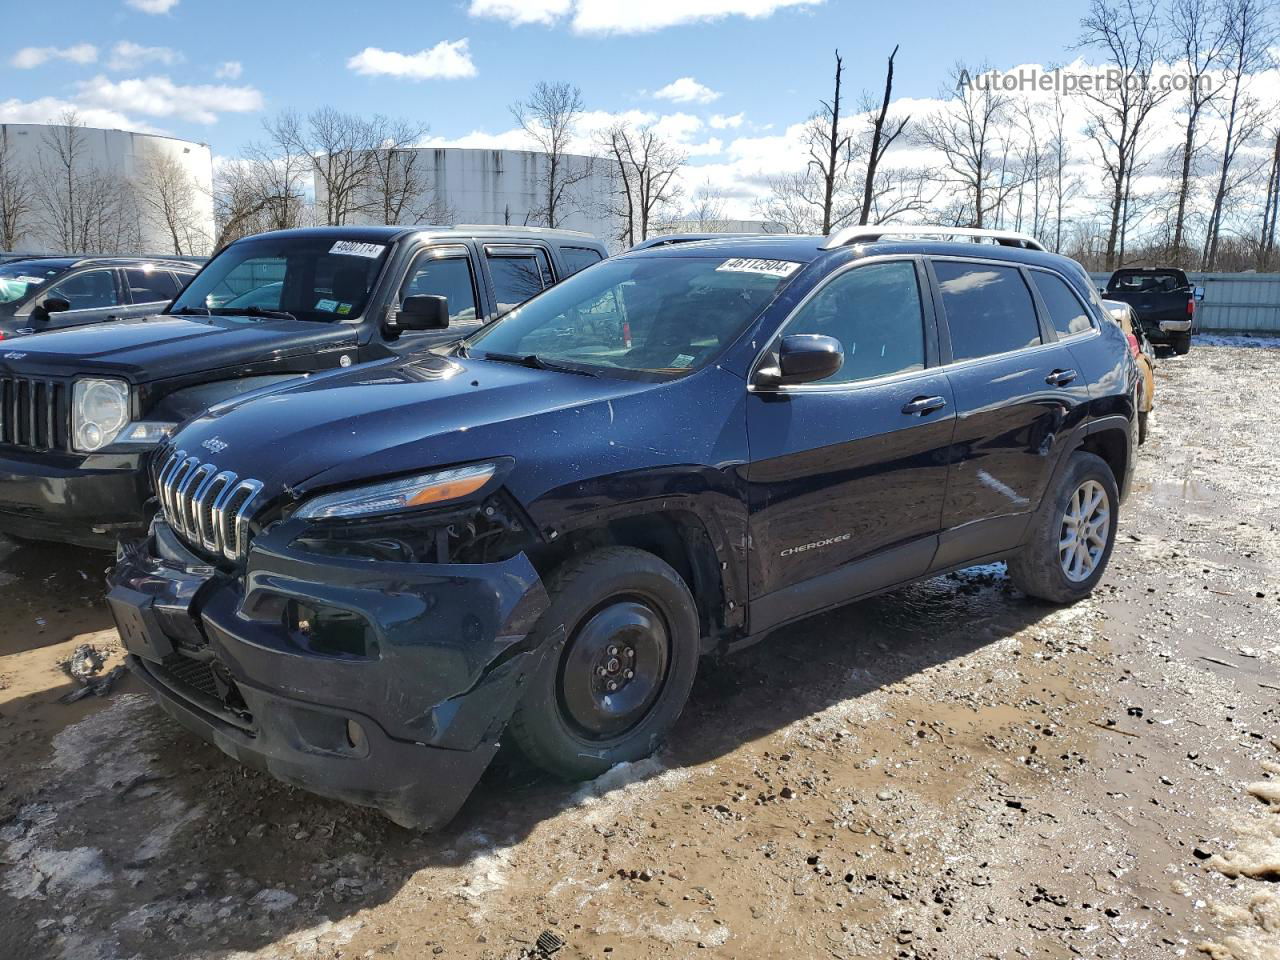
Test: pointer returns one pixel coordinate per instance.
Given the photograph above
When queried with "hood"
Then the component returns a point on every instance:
(154, 348)
(431, 412)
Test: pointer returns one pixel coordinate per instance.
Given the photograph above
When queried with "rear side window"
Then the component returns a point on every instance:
(579, 258)
(444, 277)
(517, 276)
(1065, 309)
(875, 313)
(988, 307)
(1146, 281)
(151, 286)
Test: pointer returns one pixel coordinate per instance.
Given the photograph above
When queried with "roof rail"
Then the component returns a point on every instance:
(869, 234)
(516, 228)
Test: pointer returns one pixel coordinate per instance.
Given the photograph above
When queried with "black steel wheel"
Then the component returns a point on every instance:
(622, 676)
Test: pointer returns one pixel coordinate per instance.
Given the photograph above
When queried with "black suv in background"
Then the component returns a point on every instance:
(81, 409)
(359, 582)
(38, 294)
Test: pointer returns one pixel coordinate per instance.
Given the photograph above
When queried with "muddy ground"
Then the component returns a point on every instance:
(949, 771)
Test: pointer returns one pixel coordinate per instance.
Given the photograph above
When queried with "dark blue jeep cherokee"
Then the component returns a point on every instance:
(361, 581)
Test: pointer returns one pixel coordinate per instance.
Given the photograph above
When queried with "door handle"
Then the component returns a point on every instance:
(1060, 378)
(921, 406)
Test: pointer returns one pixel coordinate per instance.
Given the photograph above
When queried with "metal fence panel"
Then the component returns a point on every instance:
(1233, 302)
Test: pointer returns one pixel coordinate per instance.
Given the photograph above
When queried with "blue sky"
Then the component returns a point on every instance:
(770, 69)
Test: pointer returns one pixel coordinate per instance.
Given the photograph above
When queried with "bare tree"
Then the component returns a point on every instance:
(793, 202)
(1249, 35)
(83, 209)
(167, 196)
(16, 196)
(967, 134)
(277, 171)
(829, 155)
(706, 209)
(1128, 33)
(1270, 207)
(549, 117)
(884, 131)
(1198, 30)
(645, 168)
(1064, 186)
(400, 189)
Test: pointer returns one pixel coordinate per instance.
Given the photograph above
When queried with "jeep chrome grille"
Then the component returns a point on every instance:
(208, 508)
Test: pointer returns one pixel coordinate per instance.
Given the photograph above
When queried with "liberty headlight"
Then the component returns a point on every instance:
(99, 411)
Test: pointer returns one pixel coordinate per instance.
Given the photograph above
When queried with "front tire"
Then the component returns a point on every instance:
(1143, 417)
(623, 675)
(1071, 534)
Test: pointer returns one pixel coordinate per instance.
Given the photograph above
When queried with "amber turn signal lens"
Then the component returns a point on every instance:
(449, 490)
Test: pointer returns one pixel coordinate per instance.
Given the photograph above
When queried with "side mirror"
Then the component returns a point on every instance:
(1199, 292)
(50, 305)
(802, 358)
(423, 313)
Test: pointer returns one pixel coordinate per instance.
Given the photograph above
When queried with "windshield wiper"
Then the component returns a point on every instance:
(537, 363)
(251, 312)
(190, 312)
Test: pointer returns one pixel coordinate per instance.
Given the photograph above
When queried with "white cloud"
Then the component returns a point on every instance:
(161, 97)
(628, 16)
(127, 55)
(29, 57)
(229, 70)
(152, 6)
(49, 109)
(720, 121)
(519, 12)
(447, 60)
(687, 90)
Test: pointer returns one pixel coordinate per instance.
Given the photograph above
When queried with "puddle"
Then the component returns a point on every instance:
(1191, 495)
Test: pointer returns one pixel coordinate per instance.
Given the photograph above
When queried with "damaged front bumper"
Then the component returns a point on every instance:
(378, 683)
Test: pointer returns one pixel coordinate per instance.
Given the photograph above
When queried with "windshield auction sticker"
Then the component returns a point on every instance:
(770, 268)
(350, 248)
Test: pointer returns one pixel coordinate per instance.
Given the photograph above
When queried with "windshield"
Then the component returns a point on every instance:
(664, 316)
(20, 279)
(309, 278)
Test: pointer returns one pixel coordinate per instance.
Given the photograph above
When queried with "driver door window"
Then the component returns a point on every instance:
(875, 312)
(91, 290)
(445, 276)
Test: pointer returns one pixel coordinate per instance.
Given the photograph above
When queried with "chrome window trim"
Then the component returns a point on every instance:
(801, 388)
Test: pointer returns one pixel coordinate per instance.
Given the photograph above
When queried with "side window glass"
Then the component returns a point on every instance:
(516, 279)
(1065, 309)
(875, 312)
(86, 291)
(150, 286)
(989, 309)
(444, 277)
(579, 258)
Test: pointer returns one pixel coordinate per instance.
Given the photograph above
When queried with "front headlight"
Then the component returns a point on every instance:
(100, 417)
(99, 411)
(408, 493)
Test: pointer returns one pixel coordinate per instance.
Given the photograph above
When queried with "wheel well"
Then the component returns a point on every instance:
(678, 538)
(1113, 447)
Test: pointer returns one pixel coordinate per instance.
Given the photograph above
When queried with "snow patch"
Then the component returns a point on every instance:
(626, 786)
(106, 742)
(1224, 340)
(54, 873)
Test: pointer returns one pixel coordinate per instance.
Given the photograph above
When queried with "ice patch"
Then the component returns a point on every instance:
(322, 940)
(105, 742)
(1222, 340)
(626, 786)
(272, 900)
(487, 869)
(54, 873)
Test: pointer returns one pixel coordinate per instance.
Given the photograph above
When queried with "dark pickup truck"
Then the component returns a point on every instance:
(82, 408)
(1163, 300)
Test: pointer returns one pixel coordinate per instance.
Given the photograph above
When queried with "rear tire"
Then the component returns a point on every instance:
(1181, 345)
(1071, 534)
(621, 678)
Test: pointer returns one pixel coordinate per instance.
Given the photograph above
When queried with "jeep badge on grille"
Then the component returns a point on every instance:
(214, 445)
